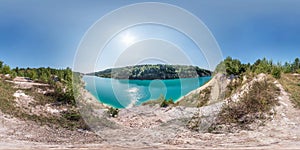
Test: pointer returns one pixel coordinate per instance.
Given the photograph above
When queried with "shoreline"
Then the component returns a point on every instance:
(204, 86)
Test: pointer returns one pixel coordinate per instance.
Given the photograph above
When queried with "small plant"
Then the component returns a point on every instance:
(113, 112)
(161, 101)
(72, 116)
(166, 103)
(204, 96)
(233, 86)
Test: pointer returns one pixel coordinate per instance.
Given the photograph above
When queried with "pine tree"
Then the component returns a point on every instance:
(5, 69)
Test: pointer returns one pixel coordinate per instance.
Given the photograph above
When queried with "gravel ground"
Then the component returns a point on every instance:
(152, 127)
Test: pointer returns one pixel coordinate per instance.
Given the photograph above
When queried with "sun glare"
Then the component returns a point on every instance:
(128, 39)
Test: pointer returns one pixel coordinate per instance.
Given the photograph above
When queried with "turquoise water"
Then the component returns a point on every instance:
(122, 93)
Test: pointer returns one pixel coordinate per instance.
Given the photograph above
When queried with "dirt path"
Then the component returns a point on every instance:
(17, 134)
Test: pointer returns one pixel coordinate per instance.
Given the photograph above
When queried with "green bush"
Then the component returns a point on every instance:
(276, 73)
(113, 112)
(166, 103)
(5, 69)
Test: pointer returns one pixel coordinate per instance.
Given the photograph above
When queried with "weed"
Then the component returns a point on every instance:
(166, 103)
(113, 112)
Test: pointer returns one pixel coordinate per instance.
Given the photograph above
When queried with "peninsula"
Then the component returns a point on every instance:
(151, 72)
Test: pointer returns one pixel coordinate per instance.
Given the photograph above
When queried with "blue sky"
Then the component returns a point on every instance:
(36, 33)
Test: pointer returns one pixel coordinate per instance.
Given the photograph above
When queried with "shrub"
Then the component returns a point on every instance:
(166, 103)
(260, 99)
(5, 69)
(276, 73)
(204, 96)
(113, 112)
(72, 116)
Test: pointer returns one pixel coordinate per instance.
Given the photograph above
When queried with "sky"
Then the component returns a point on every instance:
(150, 43)
(36, 33)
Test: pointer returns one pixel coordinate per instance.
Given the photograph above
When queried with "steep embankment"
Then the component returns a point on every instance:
(275, 125)
(291, 83)
(31, 115)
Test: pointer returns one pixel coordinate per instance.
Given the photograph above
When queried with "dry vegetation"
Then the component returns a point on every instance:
(6, 97)
(68, 118)
(146, 126)
(196, 100)
(291, 83)
(161, 101)
(254, 105)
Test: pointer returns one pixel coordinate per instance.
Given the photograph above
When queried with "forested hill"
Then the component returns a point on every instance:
(150, 72)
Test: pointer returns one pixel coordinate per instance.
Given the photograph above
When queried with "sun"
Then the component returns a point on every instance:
(128, 39)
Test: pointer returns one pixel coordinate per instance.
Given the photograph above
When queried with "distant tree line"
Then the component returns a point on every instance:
(45, 75)
(149, 72)
(234, 67)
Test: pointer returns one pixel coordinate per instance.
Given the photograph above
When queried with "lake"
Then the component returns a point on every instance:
(122, 93)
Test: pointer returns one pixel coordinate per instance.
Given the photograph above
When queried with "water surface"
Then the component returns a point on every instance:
(121, 93)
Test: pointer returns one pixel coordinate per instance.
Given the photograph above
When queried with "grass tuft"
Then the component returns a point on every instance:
(291, 84)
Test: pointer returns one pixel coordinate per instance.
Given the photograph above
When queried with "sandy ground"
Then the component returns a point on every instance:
(165, 128)
(147, 127)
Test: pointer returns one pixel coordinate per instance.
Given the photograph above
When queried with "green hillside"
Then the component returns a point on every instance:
(150, 72)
